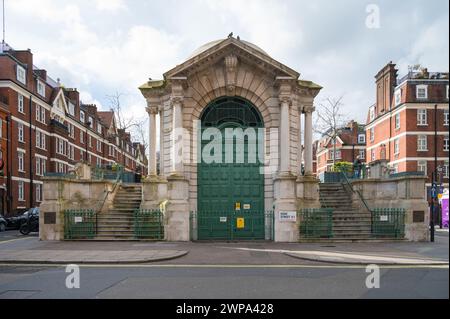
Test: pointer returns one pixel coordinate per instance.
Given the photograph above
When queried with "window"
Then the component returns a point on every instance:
(446, 120)
(397, 121)
(20, 103)
(397, 146)
(446, 169)
(372, 156)
(422, 92)
(372, 134)
(21, 194)
(361, 138)
(71, 109)
(41, 88)
(99, 145)
(99, 161)
(99, 128)
(38, 192)
(60, 146)
(422, 167)
(91, 122)
(338, 154)
(40, 114)
(81, 155)
(90, 141)
(446, 143)
(362, 154)
(422, 117)
(20, 132)
(21, 75)
(1, 128)
(43, 115)
(38, 166)
(81, 137)
(82, 117)
(21, 163)
(398, 97)
(71, 129)
(372, 113)
(422, 143)
(60, 168)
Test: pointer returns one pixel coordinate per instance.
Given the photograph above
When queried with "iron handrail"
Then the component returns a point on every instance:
(116, 182)
(357, 192)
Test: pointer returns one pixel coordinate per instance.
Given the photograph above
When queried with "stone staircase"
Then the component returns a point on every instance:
(117, 223)
(349, 223)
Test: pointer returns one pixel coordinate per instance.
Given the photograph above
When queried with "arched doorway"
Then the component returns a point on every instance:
(230, 171)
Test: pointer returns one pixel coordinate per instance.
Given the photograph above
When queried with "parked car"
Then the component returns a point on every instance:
(17, 221)
(3, 223)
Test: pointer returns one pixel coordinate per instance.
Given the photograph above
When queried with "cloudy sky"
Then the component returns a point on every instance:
(104, 46)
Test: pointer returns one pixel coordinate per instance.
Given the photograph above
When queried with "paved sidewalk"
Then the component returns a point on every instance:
(362, 259)
(87, 256)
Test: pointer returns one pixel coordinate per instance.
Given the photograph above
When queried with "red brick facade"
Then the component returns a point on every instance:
(56, 139)
(401, 125)
(350, 143)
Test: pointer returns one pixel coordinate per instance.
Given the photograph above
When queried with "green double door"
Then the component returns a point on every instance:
(231, 190)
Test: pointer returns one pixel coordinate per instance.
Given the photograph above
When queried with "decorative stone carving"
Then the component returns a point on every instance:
(231, 63)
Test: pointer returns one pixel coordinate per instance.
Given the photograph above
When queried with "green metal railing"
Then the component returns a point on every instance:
(148, 224)
(316, 223)
(388, 222)
(80, 224)
(212, 225)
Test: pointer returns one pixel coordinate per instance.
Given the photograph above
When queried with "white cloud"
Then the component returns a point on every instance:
(110, 5)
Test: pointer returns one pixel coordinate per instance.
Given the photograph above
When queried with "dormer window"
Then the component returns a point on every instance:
(41, 88)
(422, 92)
(99, 129)
(71, 109)
(82, 117)
(91, 122)
(21, 75)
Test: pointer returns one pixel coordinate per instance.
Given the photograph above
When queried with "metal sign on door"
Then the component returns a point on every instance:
(240, 223)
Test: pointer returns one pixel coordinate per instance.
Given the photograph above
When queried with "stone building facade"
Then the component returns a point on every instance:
(231, 83)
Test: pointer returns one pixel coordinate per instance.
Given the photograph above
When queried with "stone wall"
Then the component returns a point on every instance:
(62, 194)
(401, 192)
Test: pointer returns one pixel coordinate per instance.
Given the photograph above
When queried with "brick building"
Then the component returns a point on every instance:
(401, 125)
(51, 130)
(350, 143)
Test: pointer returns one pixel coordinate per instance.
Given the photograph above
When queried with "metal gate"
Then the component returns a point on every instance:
(245, 225)
(80, 224)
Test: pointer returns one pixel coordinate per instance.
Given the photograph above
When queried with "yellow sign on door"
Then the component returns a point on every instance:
(237, 206)
(240, 223)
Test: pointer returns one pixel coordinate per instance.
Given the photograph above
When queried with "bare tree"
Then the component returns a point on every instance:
(136, 127)
(330, 120)
(123, 122)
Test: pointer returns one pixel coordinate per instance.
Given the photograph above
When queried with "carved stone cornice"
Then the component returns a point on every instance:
(308, 109)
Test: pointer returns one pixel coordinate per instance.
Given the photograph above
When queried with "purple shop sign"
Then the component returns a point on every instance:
(445, 212)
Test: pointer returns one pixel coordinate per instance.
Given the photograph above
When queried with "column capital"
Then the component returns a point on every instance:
(176, 100)
(309, 108)
(286, 99)
(152, 110)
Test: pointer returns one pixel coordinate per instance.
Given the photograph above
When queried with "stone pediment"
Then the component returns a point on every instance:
(245, 52)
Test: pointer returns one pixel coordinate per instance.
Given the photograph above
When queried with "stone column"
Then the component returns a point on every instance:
(177, 136)
(308, 141)
(300, 144)
(152, 111)
(284, 136)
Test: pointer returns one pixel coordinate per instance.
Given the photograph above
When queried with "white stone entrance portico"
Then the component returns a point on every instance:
(226, 69)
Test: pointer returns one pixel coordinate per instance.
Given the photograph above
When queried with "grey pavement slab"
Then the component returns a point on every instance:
(87, 257)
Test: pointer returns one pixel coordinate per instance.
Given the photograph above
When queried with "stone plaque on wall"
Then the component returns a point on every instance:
(418, 216)
(50, 218)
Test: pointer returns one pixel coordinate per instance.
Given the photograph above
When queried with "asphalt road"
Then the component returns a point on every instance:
(235, 282)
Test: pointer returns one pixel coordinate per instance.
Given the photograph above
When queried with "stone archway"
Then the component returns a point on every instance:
(230, 182)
